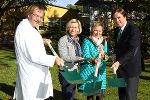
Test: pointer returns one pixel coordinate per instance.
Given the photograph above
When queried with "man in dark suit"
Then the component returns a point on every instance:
(128, 54)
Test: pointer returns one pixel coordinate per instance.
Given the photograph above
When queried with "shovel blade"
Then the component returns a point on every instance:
(92, 88)
(116, 82)
(72, 77)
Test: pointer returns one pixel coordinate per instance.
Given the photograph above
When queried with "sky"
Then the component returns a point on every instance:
(63, 3)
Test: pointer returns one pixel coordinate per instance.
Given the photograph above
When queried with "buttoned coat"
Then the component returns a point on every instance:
(128, 51)
(33, 80)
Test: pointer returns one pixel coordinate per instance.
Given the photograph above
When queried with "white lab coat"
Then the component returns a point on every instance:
(33, 81)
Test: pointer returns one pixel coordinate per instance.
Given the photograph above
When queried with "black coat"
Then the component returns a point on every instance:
(128, 51)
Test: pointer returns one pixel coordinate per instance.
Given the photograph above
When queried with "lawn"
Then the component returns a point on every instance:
(8, 75)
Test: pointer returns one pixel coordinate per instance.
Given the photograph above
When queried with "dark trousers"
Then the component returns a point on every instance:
(129, 92)
(68, 90)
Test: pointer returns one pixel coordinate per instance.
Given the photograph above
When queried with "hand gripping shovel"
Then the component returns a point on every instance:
(73, 76)
(115, 81)
(93, 87)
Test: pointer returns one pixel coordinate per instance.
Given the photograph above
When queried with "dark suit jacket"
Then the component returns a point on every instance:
(128, 51)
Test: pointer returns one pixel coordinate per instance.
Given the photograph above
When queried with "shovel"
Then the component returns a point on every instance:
(115, 81)
(95, 86)
(72, 76)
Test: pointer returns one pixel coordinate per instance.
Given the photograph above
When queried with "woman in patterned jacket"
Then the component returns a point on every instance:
(92, 47)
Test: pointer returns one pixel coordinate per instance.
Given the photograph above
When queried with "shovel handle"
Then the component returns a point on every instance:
(96, 70)
(55, 54)
(114, 71)
(97, 65)
(53, 51)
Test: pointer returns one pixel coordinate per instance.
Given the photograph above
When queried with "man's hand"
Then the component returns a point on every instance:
(115, 66)
(46, 41)
(59, 62)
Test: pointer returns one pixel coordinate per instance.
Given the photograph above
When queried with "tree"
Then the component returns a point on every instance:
(9, 9)
(7, 4)
(138, 12)
(80, 8)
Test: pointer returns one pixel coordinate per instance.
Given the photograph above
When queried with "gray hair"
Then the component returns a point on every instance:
(31, 8)
(96, 24)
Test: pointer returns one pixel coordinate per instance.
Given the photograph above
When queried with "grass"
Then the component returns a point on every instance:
(8, 75)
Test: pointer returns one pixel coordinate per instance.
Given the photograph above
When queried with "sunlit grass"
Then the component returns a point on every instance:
(8, 75)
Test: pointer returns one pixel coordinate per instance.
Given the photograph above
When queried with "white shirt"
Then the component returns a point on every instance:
(122, 28)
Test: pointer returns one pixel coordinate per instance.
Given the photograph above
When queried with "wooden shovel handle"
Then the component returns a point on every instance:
(55, 54)
(97, 65)
(96, 70)
(53, 51)
(114, 71)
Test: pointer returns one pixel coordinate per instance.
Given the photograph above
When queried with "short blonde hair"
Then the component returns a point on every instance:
(74, 21)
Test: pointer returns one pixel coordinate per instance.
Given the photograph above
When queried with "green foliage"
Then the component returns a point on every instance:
(12, 11)
(35, 1)
(145, 36)
(54, 31)
(80, 8)
(139, 11)
(7, 4)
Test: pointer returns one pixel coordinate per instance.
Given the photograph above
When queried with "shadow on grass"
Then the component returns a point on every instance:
(3, 65)
(148, 71)
(57, 95)
(10, 57)
(8, 89)
(145, 77)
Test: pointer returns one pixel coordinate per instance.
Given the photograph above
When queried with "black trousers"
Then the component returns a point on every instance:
(68, 90)
(129, 92)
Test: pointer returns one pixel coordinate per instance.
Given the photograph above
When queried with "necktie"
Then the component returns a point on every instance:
(119, 34)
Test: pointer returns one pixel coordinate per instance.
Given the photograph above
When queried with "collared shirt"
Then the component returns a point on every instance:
(120, 31)
(122, 28)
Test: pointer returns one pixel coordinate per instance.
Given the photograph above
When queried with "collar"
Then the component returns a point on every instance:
(122, 28)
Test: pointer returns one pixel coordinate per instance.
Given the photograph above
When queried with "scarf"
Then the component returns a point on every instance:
(75, 43)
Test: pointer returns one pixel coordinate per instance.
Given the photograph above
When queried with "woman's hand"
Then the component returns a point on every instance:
(104, 56)
(101, 51)
(94, 61)
(80, 58)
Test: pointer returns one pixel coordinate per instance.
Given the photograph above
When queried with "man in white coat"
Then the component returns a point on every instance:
(33, 81)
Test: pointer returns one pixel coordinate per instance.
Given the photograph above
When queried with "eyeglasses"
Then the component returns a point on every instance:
(37, 16)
